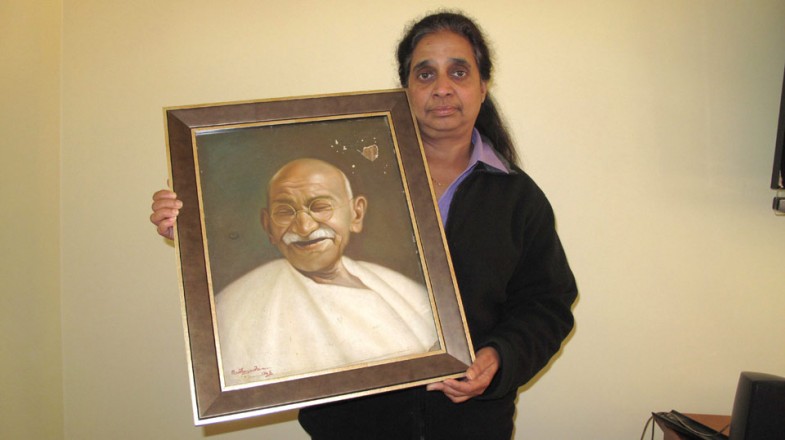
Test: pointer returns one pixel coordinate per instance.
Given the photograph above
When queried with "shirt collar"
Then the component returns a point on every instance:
(482, 151)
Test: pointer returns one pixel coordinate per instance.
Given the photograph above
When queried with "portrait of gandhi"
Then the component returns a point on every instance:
(316, 309)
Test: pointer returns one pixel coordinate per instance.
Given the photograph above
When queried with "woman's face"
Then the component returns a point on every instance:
(445, 86)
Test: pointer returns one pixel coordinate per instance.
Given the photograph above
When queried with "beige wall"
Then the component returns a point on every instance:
(31, 398)
(650, 126)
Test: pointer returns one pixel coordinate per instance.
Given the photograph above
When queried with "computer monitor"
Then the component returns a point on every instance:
(758, 408)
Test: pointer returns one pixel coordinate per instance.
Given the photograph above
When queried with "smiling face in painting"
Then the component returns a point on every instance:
(310, 215)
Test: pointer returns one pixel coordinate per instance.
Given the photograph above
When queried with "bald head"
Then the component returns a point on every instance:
(308, 167)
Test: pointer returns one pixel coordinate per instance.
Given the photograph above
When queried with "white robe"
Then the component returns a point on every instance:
(275, 322)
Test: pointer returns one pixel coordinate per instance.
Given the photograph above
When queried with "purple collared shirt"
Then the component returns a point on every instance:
(481, 152)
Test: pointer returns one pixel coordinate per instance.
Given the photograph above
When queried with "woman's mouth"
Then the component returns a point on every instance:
(443, 110)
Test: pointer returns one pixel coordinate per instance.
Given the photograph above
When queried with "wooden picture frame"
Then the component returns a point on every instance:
(222, 158)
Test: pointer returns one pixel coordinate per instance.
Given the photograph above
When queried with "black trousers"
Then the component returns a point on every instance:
(412, 414)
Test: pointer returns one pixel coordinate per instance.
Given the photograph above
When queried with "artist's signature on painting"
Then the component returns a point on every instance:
(255, 371)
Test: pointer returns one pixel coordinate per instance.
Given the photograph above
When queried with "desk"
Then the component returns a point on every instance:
(714, 422)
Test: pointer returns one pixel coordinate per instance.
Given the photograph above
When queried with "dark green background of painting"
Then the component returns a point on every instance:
(235, 165)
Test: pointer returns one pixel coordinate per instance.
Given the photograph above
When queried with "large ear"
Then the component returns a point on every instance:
(359, 206)
(266, 225)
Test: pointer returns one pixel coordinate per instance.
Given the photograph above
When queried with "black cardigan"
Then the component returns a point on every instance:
(516, 286)
(517, 291)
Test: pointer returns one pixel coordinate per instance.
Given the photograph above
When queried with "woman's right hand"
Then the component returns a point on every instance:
(166, 207)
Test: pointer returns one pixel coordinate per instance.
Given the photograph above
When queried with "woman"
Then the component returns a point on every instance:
(516, 286)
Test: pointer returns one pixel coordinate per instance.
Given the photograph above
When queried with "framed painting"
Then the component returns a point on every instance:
(312, 261)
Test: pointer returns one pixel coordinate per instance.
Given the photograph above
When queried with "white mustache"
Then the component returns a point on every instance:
(323, 232)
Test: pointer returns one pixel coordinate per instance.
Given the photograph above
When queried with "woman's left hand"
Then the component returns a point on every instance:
(478, 377)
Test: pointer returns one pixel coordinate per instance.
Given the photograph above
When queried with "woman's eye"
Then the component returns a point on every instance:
(424, 75)
(460, 73)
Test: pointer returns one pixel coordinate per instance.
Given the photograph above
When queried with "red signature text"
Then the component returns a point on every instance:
(255, 371)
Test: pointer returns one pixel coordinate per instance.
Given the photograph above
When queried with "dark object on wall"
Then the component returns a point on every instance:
(759, 408)
(778, 171)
